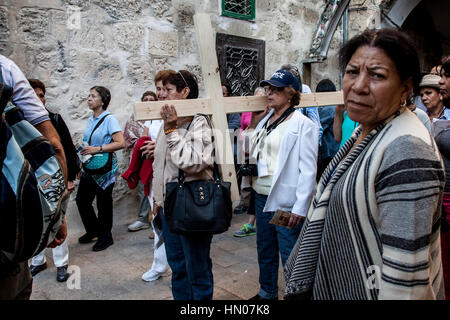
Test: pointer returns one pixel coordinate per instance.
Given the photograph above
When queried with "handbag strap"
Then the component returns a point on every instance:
(215, 167)
(95, 128)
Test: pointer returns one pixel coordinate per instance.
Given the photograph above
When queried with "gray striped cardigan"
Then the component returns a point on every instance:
(372, 230)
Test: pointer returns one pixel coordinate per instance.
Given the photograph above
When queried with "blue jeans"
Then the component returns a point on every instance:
(272, 241)
(189, 259)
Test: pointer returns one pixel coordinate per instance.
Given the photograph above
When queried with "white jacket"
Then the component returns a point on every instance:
(294, 181)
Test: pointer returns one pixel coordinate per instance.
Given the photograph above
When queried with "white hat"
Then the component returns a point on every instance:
(430, 80)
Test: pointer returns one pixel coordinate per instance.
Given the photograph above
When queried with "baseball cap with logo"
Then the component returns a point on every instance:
(282, 78)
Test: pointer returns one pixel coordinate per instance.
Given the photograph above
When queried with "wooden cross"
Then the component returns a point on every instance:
(218, 106)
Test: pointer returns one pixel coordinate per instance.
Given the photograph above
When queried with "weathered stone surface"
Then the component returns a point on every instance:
(90, 36)
(120, 9)
(129, 36)
(161, 64)
(184, 15)
(188, 42)
(82, 4)
(78, 109)
(284, 31)
(160, 8)
(163, 43)
(197, 71)
(59, 25)
(311, 16)
(140, 72)
(4, 23)
(97, 67)
(33, 24)
(152, 35)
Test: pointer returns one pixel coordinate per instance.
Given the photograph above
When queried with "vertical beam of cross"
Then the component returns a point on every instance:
(211, 78)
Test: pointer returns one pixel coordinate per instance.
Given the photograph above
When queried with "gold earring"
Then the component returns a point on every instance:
(403, 104)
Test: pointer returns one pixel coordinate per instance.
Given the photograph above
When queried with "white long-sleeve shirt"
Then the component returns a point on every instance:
(24, 96)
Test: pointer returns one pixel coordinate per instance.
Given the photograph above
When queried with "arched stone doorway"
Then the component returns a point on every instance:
(427, 22)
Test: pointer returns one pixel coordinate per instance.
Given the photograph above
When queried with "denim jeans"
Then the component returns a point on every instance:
(272, 241)
(189, 259)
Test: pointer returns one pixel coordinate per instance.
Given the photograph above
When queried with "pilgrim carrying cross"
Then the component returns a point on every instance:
(218, 106)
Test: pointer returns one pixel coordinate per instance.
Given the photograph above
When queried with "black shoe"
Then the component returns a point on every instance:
(258, 297)
(86, 238)
(61, 274)
(240, 209)
(102, 244)
(36, 269)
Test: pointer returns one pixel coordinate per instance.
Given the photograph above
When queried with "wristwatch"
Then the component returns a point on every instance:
(101, 148)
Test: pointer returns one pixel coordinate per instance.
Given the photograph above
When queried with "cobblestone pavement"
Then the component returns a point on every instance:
(115, 273)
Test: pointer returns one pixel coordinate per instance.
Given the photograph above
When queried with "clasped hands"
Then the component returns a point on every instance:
(170, 118)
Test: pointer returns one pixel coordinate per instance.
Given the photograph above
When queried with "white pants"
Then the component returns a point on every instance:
(160, 263)
(60, 256)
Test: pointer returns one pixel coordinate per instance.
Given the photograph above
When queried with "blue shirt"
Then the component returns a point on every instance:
(329, 145)
(103, 134)
(312, 113)
(348, 126)
(234, 121)
(446, 114)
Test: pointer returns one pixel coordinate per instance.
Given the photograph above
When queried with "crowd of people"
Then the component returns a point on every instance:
(364, 185)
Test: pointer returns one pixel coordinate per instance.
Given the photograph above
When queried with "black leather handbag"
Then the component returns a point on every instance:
(198, 206)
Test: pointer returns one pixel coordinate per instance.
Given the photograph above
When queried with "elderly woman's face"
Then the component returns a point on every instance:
(431, 98)
(372, 87)
(277, 97)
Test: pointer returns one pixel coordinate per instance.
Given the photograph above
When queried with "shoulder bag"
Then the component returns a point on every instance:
(99, 163)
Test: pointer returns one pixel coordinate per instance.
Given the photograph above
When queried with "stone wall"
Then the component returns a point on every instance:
(121, 44)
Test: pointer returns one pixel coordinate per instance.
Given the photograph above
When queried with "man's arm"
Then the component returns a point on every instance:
(48, 131)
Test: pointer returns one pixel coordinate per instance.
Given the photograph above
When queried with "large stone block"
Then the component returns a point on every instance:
(82, 4)
(311, 16)
(4, 24)
(284, 31)
(59, 25)
(161, 64)
(129, 36)
(33, 24)
(140, 72)
(121, 9)
(163, 43)
(160, 8)
(184, 15)
(95, 67)
(89, 36)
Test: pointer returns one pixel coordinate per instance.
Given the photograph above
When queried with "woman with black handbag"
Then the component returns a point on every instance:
(104, 136)
(184, 144)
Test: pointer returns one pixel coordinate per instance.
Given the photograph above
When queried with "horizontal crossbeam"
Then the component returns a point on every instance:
(185, 108)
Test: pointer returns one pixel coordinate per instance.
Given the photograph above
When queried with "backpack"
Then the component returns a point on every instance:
(33, 196)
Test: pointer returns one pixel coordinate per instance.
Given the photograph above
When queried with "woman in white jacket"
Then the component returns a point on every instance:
(284, 144)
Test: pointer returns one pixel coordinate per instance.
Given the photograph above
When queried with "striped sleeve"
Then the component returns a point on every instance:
(409, 187)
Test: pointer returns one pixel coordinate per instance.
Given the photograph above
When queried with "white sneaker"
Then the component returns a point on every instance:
(138, 225)
(152, 275)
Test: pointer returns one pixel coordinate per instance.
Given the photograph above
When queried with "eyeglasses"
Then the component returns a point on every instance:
(273, 89)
